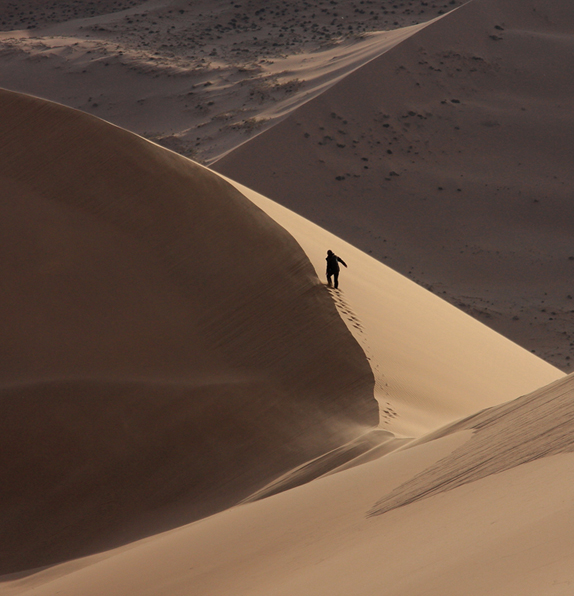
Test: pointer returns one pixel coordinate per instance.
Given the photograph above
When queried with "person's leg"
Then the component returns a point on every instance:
(328, 278)
(336, 278)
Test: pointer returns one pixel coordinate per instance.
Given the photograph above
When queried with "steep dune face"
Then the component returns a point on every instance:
(448, 158)
(166, 347)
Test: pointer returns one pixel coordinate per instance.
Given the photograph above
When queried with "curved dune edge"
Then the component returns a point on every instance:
(503, 529)
(319, 71)
(500, 441)
(142, 91)
(432, 363)
(166, 349)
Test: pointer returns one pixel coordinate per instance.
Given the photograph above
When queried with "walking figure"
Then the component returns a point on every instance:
(333, 267)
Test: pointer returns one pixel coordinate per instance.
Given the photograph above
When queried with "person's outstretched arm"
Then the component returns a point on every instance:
(341, 261)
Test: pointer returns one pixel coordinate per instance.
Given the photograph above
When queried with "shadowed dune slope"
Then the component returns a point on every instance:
(448, 158)
(166, 347)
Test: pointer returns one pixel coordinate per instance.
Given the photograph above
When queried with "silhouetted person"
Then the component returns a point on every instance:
(333, 267)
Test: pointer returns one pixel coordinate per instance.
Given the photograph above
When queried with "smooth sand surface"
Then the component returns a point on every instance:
(462, 128)
(464, 122)
(155, 366)
(448, 158)
(507, 532)
(118, 424)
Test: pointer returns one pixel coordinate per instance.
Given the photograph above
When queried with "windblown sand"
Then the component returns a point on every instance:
(155, 368)
(171, 353)
(199, 77)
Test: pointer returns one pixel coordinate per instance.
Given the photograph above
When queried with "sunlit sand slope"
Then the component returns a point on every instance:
(432, 362)
(524, 430)
(166, 347)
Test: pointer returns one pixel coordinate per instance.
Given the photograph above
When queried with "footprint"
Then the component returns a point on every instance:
(388, 413)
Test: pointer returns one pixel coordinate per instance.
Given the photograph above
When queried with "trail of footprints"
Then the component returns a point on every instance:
(387, 413)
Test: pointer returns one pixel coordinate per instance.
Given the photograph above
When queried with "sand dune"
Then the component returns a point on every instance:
(165, 343)
(170, 351)
(200, 110)
(186, 407)
(500, 441)
(506, 531)
(448, 158)
(204, 78)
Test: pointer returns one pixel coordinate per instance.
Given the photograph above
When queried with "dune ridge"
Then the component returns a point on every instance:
(432, 363)
(521, 431)
(165, 343)
(186, 408)
(202, 77)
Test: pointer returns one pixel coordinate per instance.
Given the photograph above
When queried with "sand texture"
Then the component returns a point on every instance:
(199, 77)
(171, 352)
(457, 123)
(506, 531)
(432, 363)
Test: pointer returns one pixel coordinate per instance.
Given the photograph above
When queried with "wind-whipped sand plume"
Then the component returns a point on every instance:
(449, 157)
(494, 517)
(166, 347)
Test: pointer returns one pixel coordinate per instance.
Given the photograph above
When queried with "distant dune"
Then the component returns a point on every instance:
(166, 346)
(448, 158)
(484, 180)
(197, 77)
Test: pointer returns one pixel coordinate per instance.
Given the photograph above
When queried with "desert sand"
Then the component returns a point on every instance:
(164, 381)
(204, 78)
(428, 358)
(198, 77)
(507, 532)
(187, 407)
